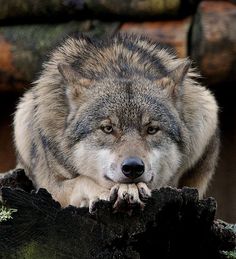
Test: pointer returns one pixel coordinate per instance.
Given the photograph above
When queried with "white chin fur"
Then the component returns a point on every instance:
(93, 163)
(104, 161)
(154, 159)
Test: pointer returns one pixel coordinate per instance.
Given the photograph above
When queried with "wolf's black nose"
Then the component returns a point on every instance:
(132, 167)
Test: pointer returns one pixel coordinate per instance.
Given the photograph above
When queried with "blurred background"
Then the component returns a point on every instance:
(203, 30)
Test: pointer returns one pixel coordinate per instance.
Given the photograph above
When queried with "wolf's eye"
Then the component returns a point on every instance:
(107, 129)
(152, 130)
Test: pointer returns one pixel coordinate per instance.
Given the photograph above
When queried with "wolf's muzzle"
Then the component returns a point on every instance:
(132, 167)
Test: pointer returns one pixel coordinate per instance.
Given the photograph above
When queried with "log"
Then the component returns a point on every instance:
(39, 10)
(142, 9)
(23, 48)
(231, 1)
(12, 9)
(213, 41)
(174, 224)
(170, 33)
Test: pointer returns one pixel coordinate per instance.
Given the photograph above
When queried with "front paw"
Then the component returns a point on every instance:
(104, 195)
(128, 196)
(91, 201)
(89, 198)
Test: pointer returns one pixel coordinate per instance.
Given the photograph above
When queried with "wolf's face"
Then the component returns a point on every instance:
(125, 131)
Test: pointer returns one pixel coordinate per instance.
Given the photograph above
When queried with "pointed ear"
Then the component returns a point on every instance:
(68, 73)
(178, 74)
(172, 83)
(76, 83)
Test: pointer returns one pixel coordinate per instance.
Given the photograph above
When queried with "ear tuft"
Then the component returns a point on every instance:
(172, 83)
(68, 73)
(168, 85)
(76, 83)
(179, 73)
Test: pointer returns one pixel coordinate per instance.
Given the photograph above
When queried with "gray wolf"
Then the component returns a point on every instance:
(115, 119)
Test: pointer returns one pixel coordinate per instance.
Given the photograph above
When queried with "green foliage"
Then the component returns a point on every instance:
(6, 213)
(37, 250)
(231, 254)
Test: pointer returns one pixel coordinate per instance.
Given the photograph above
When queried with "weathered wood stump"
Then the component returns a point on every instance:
(213, 41)
(174, 224)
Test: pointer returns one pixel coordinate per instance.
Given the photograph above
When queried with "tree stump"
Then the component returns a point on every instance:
(174, 224)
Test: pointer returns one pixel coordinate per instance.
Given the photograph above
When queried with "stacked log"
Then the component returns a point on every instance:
(60, 9)
(137, 8)
(170, 33)
(25, 9)
(210, 42)
(23, 48)
(213, 41)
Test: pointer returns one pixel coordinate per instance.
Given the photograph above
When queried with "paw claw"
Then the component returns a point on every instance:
(144, 191)
(131, 198)
(114, 193)
(125, 196)
(92, 205)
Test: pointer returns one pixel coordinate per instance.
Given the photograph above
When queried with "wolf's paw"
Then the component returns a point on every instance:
(90, 201)
(105, 196)
(129, 195)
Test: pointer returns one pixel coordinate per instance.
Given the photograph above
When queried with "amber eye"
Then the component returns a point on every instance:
(107, 129)
(152, 130)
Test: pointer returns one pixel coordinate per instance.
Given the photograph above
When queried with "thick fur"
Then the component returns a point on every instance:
(129, 83)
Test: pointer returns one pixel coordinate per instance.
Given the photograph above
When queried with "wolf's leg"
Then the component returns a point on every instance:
(85, 192)
(200, 175)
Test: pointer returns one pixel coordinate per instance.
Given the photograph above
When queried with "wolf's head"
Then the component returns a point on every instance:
(125, 126)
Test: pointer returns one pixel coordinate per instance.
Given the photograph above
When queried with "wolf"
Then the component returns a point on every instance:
(114, 119)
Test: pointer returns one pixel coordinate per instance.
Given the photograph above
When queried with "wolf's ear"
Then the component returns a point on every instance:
(75, 81)
(178, 74)
(172, 83)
